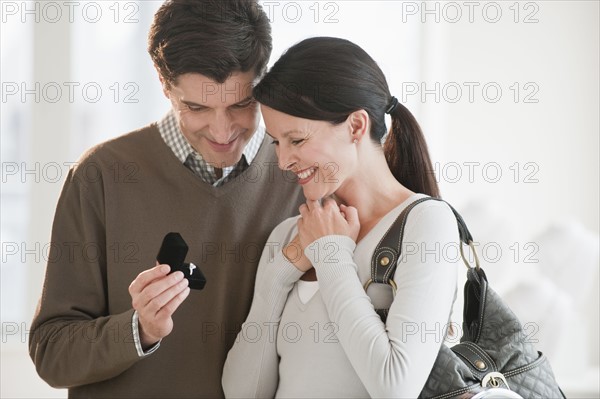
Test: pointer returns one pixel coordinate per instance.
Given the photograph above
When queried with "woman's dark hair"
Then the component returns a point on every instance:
(326, 79)
(211, 37)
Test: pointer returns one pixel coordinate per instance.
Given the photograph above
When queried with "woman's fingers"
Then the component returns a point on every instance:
(313, 204)
(351, 215)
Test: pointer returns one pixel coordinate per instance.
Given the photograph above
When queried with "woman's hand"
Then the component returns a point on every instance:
(295, 254)
(328, 219)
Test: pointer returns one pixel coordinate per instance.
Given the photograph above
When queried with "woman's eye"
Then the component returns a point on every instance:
(275, 142)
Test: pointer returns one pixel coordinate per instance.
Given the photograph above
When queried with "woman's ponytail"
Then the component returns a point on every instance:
(406, 152)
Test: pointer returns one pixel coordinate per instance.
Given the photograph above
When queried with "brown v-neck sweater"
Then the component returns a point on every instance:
(116, 206)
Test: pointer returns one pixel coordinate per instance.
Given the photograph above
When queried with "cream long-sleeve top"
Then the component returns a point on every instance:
(335, 344)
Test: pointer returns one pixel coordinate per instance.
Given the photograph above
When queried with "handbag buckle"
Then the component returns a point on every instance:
(391, 283)
(493, 380)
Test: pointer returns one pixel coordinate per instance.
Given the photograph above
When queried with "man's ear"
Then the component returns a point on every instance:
(163, 83)
(359, 124)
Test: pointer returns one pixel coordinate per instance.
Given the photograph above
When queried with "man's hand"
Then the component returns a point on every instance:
(155, 296)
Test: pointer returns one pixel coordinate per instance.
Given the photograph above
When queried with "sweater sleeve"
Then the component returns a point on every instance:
(252, 365)
(74, 341)
(393, 359)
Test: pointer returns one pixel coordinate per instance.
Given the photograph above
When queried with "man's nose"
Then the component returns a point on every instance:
(222, 127)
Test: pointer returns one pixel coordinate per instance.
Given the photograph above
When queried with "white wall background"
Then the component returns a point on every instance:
(506, 92)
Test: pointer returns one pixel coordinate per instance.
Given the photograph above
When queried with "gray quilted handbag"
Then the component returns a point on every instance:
(493, 353)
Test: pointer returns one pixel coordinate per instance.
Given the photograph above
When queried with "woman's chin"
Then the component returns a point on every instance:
(312, 195)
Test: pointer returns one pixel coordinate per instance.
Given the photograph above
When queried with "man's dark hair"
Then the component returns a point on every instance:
(214, 38)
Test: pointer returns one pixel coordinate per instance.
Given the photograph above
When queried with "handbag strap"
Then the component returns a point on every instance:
(388, 250)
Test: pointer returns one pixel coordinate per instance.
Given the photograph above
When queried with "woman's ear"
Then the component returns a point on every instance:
(359, 124)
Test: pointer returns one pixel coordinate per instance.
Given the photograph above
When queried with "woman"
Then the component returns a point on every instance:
(312, 330)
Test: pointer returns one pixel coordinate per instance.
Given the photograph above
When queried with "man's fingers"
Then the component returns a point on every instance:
(156, 305)
(156, 288)
(170, 307)
(146, 277)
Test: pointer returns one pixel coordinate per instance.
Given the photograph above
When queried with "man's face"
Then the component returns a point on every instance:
(217, 119)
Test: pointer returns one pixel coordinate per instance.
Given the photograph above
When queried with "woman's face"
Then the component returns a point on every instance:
(321, 155)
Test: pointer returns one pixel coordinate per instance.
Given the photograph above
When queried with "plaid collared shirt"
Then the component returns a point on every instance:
(171, 134)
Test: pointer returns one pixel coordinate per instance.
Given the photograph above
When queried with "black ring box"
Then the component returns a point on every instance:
(173, 252)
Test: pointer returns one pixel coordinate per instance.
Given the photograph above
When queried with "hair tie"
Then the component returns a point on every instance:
(392, 107)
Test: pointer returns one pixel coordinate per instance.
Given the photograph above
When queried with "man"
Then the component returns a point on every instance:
(113, 323)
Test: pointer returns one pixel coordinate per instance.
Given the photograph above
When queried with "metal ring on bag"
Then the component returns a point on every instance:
(392, 284)
(492, 379)
(462, 254)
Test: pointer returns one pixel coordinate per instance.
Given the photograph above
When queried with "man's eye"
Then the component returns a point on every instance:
(275, 142)
(296, 142)
(243, 105)
(195, 109)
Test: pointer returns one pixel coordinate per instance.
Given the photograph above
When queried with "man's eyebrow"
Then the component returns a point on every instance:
(192, 104)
